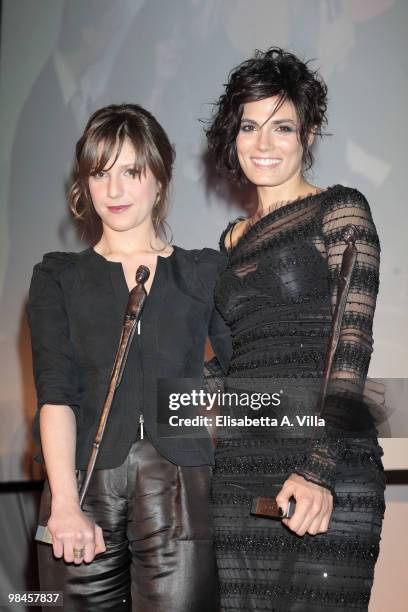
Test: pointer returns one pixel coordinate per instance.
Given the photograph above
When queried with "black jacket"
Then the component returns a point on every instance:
(76, 306)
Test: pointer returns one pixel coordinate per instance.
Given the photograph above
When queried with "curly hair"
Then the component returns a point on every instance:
(274, 72)
(109, 127)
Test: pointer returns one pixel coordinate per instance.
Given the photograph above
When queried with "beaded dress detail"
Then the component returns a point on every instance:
(277, 295)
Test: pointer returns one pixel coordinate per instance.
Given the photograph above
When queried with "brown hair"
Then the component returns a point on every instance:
(110, 126)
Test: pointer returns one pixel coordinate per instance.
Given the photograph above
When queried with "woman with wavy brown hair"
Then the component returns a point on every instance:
(143, 539)
(278, 294)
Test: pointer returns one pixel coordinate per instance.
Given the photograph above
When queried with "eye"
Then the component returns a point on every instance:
(132, 172)
(285, 129)
(98, 175)
(247, 127)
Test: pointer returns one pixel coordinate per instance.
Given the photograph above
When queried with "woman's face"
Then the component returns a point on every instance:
(268, 146)
(122, 198)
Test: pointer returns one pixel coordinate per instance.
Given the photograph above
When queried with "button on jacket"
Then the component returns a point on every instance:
(76, 307)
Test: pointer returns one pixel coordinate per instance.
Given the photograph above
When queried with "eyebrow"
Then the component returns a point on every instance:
(130, 165)
(123, 166)
(274, 121)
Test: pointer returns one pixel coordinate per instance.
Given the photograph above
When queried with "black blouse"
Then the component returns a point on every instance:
(76, 306)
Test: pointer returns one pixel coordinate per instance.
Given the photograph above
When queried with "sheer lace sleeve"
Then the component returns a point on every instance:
(345, 403)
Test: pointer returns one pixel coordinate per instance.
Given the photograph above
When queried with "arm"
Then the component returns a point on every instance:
(343, 405)
(219, 335)
(354, 349)
(212, 265)
(220, 338)
(58, 439)
(57, 390)
(68, 525)
(215, 369)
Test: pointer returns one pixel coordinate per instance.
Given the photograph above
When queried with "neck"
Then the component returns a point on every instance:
(270, 198)
(129, 242)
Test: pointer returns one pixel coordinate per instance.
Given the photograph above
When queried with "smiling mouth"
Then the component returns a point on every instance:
(118, 209)
(266, 162)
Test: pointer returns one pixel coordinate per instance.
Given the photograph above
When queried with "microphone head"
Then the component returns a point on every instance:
(142, 274)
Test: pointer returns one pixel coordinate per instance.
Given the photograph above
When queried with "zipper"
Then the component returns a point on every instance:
(139, 371)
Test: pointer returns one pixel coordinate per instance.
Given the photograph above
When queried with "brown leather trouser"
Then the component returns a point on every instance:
(157, 528)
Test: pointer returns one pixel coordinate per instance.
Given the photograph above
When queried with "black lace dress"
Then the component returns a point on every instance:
(277, 295)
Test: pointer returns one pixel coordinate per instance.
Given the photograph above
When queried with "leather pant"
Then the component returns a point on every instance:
(156, 522)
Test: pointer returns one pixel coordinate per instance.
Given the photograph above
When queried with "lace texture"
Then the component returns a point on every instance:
(280, 290)
(277, 295)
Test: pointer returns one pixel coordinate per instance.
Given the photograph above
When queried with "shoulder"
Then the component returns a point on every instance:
(226, 242)
(340, 197)
(343, 206)
(53, 267)
(207, 265)
(211, 258)
(203, 258)
(56, 261)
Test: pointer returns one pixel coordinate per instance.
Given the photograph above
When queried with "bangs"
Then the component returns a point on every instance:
(106, 143)
(263, 92)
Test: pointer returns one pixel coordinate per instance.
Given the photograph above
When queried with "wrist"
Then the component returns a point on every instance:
(64, 500)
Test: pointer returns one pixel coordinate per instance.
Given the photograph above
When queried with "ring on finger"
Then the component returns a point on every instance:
(79, 553)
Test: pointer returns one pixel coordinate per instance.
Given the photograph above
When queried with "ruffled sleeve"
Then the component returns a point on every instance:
(54, 366)
(345, 408)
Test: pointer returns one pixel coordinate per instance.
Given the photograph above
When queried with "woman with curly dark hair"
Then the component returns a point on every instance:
(277, 295)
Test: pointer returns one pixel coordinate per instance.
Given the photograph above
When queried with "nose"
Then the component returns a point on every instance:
(264, 140)
(115, 187)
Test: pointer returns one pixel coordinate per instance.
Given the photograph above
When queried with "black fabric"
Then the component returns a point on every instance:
(277, 295)
(157, 527)
(75, 311)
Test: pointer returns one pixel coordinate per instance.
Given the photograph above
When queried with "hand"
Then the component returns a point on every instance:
(314, 505)
(70, 528)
